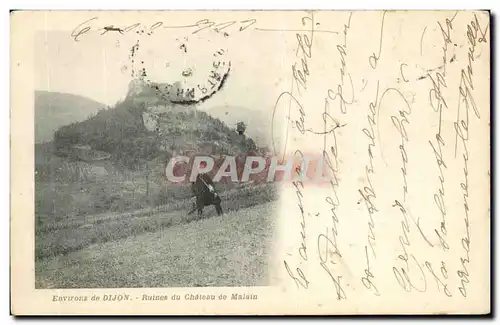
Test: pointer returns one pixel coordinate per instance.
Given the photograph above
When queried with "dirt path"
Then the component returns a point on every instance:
(232, 250)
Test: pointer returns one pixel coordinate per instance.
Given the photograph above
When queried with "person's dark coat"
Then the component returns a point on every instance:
(204, 191)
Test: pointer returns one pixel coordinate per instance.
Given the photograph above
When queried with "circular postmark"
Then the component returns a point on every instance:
(190, 73)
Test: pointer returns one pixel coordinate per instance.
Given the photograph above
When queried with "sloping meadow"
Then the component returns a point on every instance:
(68, 234)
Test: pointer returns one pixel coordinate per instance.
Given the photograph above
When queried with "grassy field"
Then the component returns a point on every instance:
(63, 235)
(231, 250)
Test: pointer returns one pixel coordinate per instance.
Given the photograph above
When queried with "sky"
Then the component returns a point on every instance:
(99, 66)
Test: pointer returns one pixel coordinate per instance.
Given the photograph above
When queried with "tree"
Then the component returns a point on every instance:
(240, 128)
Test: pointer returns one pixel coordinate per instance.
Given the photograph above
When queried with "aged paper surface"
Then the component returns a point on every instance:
(388, 211)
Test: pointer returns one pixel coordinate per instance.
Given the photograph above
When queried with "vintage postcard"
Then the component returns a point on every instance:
(250, 162)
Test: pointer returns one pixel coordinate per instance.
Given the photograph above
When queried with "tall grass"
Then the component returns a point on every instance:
(54, 237)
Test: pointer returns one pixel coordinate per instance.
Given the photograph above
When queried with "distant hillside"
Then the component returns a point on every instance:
(54, 110)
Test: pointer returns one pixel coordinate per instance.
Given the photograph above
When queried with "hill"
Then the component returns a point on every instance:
(54, 110)
(135, 136)
(115, 159)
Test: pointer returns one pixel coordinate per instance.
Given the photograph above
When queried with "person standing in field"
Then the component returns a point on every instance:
(204, 191)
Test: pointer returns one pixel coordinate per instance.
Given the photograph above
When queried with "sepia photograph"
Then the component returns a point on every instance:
(110, 116)
(250, 162)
